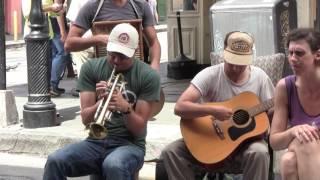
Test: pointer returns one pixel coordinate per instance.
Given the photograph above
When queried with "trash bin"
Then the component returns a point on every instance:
(269, 21)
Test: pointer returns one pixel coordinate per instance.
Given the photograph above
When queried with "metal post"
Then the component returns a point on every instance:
(39, 111)
(2, 49)
(182, 56)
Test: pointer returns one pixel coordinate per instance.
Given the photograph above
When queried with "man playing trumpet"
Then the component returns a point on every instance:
(120, 155)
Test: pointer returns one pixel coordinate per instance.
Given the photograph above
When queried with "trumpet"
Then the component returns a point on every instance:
(97, 129)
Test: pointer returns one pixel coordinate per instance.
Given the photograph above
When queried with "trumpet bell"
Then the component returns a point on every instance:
(97, 131)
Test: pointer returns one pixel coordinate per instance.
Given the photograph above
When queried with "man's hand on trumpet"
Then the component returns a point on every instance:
(101, 88)
(117, 103)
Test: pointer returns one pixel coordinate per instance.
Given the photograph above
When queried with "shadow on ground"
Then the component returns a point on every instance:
(172, 88)
(69, 113)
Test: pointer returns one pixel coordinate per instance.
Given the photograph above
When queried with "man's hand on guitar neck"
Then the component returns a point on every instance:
(221, 113)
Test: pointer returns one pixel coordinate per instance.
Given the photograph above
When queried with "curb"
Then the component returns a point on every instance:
(32, 144)
(42, 143)
(15, 44)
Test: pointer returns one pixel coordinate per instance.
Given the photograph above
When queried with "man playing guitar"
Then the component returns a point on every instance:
(216, 84)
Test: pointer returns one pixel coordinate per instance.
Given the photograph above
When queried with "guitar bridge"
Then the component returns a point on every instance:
(218, 130)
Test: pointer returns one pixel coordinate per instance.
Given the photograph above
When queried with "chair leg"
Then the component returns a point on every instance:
(271, 174)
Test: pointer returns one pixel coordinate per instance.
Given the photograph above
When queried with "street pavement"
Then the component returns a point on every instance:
(32, 146)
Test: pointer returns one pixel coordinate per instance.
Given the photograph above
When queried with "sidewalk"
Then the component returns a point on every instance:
(40, 142)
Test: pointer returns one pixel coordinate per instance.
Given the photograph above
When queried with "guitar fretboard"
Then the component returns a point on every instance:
(264, 106)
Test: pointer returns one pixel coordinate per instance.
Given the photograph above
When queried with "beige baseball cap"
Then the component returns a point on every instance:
(239, 49)
(123, 39)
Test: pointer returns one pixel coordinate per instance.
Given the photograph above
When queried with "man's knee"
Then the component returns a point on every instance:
(114, 166)
(54, 161)
(169, 151)
(259, 151)
(118, 165)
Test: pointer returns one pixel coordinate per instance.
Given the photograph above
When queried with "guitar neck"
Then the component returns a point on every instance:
(264, 106)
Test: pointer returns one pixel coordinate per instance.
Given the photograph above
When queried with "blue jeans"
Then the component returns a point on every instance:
(114, 158)
(59, 61)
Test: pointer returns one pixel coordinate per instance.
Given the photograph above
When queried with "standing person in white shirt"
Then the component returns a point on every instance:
(79, 57)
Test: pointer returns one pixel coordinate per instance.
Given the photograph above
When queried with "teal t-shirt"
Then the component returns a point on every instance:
(142, 82)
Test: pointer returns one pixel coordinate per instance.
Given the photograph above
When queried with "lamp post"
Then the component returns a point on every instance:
(2, 49)
(39, 111)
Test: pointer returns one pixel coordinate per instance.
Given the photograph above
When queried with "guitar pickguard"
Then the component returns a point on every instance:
(235, 132)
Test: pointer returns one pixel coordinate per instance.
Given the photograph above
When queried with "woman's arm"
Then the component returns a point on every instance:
(280, 136)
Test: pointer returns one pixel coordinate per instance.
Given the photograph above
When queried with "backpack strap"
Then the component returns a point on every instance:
(98, 10)
(135, 9)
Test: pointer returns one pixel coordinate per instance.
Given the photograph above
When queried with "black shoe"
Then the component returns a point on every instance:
(54, 92)
(61, 90)
(75, 92)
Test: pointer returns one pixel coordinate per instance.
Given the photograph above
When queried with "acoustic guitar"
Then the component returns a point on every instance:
(211, 141)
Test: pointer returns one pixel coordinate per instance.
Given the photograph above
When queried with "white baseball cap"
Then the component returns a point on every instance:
(239, 50)
(123, 39)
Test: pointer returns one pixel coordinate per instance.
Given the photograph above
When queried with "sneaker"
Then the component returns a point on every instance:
(54, 92)
(75, 92)
(61, 90)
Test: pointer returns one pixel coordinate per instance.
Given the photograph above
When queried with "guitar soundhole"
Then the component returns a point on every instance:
(241, 117)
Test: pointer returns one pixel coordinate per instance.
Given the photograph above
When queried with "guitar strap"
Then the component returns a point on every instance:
(135, 9)
(131, 3)
(145, 41)
(98, 10)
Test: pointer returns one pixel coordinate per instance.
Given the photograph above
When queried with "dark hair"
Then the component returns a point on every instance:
(225, 43)
(311, 36)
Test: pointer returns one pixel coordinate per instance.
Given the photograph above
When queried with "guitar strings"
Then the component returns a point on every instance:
(241, 115)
